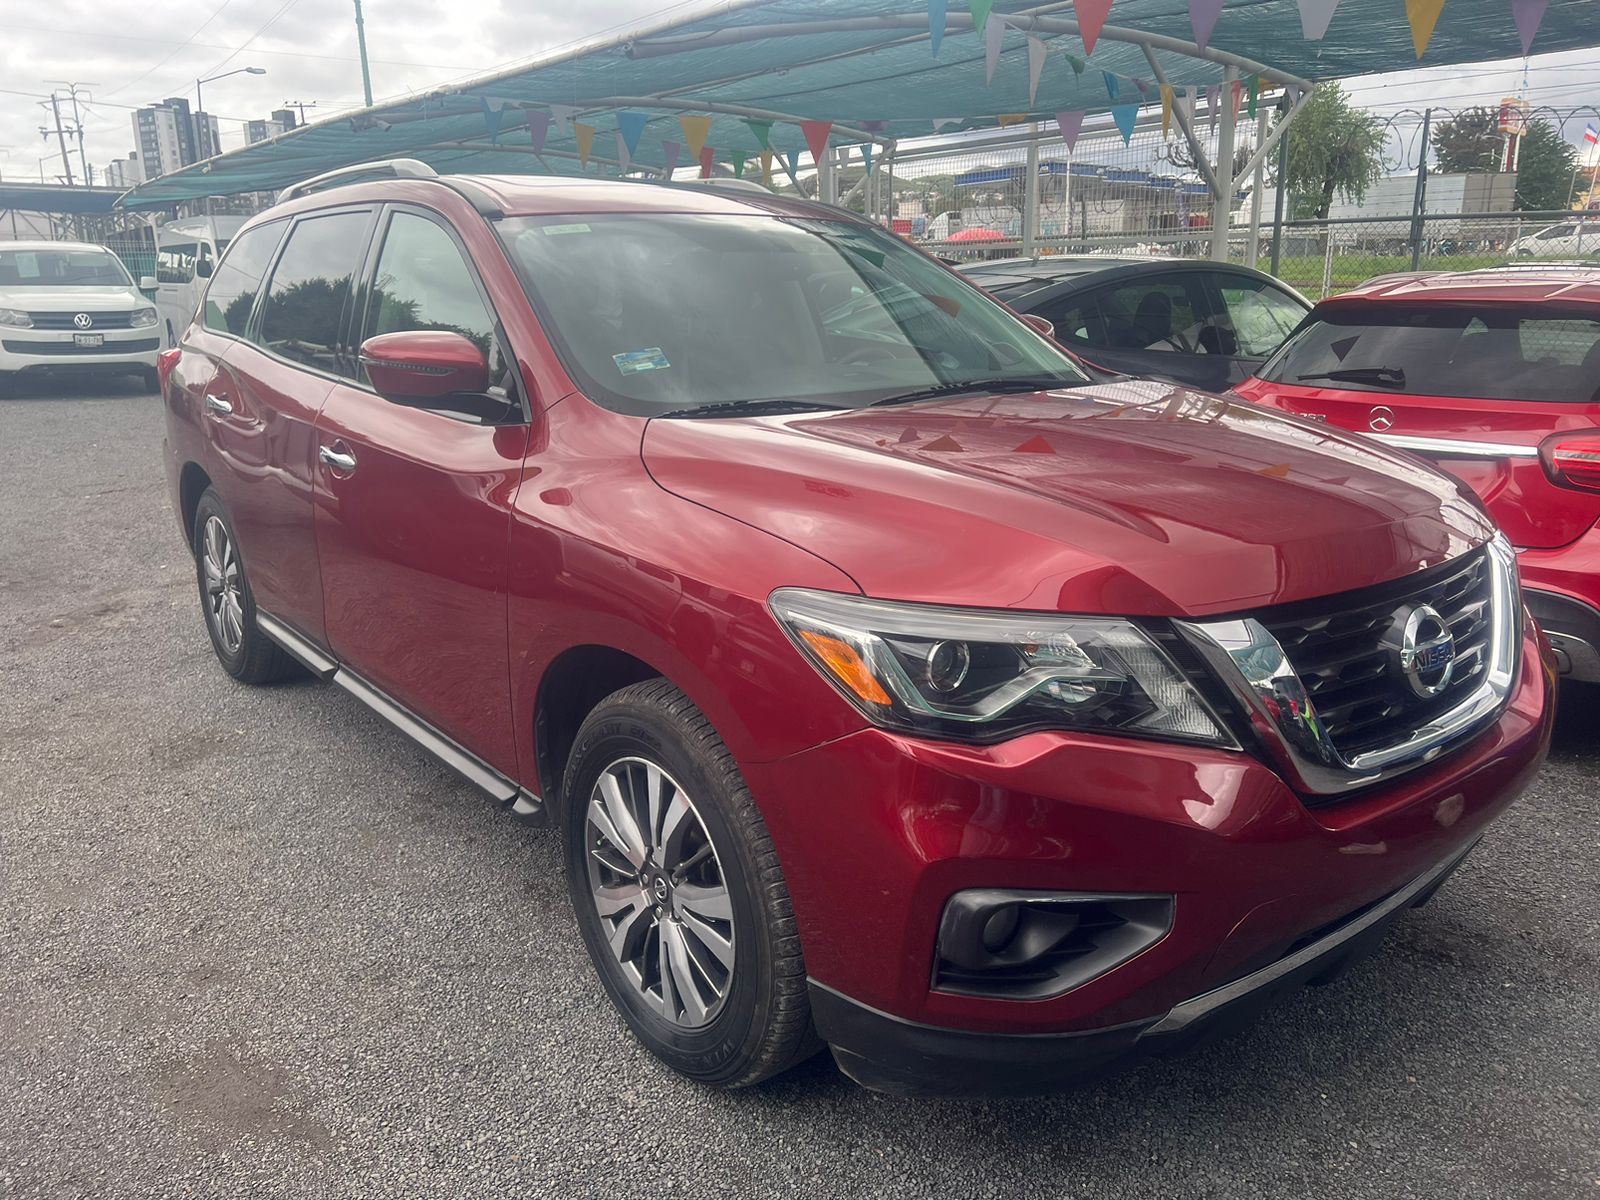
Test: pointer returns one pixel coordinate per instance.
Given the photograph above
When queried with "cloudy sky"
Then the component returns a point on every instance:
(126, 53)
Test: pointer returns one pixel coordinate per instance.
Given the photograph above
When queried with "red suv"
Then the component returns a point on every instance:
(892, 685)
(1493, 375)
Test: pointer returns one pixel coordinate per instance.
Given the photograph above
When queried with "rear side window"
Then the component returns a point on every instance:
(1260, 316)
(175, 262)
(1468, 351)
(1164, 313)
(304, 309)
(232, 293)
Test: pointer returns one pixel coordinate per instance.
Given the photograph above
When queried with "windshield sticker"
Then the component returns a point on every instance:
(631, 362)
(552, 230)
(27, 264)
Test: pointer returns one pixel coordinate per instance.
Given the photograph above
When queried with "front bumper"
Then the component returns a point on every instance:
(42, 351)
(1562, 590)
(876, 832)
(887, 1054)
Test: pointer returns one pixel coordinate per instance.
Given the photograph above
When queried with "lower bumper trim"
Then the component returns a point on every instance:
(886, 1053)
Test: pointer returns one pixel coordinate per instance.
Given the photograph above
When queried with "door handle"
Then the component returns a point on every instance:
(218, 405)
(336, 460)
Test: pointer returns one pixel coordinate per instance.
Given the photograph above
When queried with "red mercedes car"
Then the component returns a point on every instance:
(893, 686)
(1494, 376)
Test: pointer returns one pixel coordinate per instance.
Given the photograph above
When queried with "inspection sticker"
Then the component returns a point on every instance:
(552, 230)
(631, 362)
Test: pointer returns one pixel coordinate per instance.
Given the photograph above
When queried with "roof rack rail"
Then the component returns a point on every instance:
(398, 168)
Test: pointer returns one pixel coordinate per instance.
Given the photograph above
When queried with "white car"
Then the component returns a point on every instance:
(71, 307)
(1570, 239)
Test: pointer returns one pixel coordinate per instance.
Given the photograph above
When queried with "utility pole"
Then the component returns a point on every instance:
(1419, 202)
(361, 41)
(77, 121)
(61, 137)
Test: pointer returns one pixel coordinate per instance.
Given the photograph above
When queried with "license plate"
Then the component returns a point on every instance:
(88, 339)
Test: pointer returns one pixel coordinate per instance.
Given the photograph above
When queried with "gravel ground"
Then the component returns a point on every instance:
(254, 943)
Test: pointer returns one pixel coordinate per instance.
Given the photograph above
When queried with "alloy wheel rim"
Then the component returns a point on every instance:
(658, 888)
(223, 596)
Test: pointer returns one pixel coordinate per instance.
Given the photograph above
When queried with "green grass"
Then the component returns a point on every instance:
(1353, 267)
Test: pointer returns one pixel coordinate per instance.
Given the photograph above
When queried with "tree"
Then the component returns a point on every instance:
(1334, 148)
(1469, 141)
(1545, 162)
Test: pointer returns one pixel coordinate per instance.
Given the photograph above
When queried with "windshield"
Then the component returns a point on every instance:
(678, 312)
(1474, 352)
(61, 268)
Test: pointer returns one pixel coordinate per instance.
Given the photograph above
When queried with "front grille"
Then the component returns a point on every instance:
(101, 320)
(1348, 660)
(72, 350)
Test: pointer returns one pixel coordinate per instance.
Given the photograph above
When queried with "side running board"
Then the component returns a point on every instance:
(451, 753)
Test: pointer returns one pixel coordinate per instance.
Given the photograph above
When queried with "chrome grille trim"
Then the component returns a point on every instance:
(1258, 670)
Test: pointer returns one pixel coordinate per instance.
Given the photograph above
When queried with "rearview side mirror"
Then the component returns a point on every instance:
(147, 283)
(421, 368)
(1039, 325)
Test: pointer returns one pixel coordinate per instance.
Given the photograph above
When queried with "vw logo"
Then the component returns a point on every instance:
(1380, 418)
(1427, 651)
(83, 321)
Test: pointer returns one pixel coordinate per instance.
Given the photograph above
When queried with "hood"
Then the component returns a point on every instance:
(1133, 498)
(104, 298)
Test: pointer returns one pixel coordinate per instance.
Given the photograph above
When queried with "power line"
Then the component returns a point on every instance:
(217, 12)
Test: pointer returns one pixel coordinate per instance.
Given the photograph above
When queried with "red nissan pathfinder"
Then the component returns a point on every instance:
(893, 686)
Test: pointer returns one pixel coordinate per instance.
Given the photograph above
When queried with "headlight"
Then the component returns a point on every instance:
(143, 318)
(15, 318)
(981, 675)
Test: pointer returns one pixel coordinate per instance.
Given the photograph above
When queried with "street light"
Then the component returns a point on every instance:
(198, 106)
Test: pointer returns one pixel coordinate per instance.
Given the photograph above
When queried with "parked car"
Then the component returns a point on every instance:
(1570, 239)
(892, 685)
(1493, 375)
(1204, 324)
(72, 308)
(187, 252)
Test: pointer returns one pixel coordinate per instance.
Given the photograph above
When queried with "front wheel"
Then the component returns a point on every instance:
(678, 892)
(246, 653)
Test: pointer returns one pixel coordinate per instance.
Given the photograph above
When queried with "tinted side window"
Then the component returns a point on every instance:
(175, 262)
(233, 289)
(301, 316)
(1165, 313)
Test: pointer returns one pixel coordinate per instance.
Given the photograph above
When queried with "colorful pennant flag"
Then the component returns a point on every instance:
(1071, 125)
(1112, 85)
(1423, 15)
(936, 15)
(492, 112)
(738, 157)
(1077, 64)
(1213, 103)
(766, 167)
(993, 31)
(1237, 91)
(1036, 56)
(669, 157)
(708, 158)
(762, 130)
(623, 155)
(538, 130)
(1091, 16)
(816, 135)
(630, 125)
(585, 135)
(980, 10)
(1528, 14)
(1126, 116)
(1186, 102)
(1203, 17)
(1314, 18)
(562, 115)
(866, 154)
(1255, 90)
(695, 132)
(791, 160)
(1005, 119)
(1166, 110)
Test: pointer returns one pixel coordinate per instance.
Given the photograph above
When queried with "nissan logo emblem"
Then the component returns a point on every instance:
(1380, 418)
(83, 320)
(1427, 651)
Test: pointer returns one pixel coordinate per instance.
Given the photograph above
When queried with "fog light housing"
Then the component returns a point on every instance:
(1027, 945)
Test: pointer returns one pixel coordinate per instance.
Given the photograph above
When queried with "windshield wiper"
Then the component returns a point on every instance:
(741, 408)
(1392, 375)
(995, 386)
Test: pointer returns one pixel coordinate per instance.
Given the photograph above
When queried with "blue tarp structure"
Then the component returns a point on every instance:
(56, 198)
(867, 66)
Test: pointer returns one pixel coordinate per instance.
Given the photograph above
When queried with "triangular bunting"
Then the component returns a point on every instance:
(669, 157)
(1126, 116)
(1112, 85)
(585, 135)
(1314, 18)
(1528, 14)
(738, 157)
(1037, 53)
(695, 132)
(763, 132)
(1166, 110)
(866, 155)
(1077, 64)
(538, 130)
(491, 117)
(1423, 15)
(1237, 90)
(624, 158)
(708, 158)
(816, 135)
(993, 32)
(1203, 18)
(766, 167)
(1005, 119)
(1255, 90)
(1091, 16)
(791, 160)
(562, 115)
(630, 125)
(1186, 103)
(1071, 125)
(1213, 103)
(980, 10)
(936, 15)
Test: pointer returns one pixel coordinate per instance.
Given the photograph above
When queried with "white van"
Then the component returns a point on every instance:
(187, 251)
(72, 308)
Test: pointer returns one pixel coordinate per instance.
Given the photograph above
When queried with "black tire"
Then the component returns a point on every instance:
(152, 380)
(8, 383)
(763, 1024)
(255, 658)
